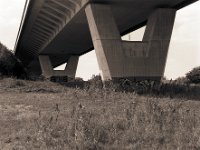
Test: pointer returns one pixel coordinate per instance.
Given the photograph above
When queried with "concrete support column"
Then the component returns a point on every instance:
(158, 35)
(147, 59)
(106, 40)
(71, 66)
(48, 71)
(46, 66)
(134, 60)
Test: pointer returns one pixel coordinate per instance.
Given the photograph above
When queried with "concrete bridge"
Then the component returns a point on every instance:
(54, 32)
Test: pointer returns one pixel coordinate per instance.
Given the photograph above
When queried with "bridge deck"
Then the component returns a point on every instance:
(59, 27)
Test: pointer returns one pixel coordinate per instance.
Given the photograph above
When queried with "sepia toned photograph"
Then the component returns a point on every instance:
(99, 75)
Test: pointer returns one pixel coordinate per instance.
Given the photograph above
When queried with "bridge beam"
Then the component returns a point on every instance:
(132, 60)
(48, 71)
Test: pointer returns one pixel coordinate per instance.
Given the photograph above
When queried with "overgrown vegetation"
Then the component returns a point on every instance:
(45, 115)
(182, 87)
(9, 64)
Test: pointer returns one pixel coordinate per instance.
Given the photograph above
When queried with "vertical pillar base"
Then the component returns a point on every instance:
(58, 75)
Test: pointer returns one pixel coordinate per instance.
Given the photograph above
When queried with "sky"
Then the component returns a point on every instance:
(183, 55)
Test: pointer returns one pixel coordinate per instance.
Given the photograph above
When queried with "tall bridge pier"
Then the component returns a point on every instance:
(54, 32)
(126, 59)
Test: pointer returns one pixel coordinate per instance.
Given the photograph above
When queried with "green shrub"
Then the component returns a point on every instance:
(194, 75)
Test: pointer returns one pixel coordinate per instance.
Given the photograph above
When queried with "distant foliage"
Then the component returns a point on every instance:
(9, 64)
(194, 75)
(95, 82)
(180, 87)
(182, 80)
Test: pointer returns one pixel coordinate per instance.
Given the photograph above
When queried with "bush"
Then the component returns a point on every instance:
(95, 82)
(182, 81)
(9, 64)
(194, 75)
(170, 88)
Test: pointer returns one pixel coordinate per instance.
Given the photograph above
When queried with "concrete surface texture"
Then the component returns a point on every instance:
(48, 71)
(143, 59)
(60, 29)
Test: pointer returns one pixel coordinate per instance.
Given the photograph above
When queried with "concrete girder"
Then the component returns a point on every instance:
(41, 39)
(39, 34)
(47, 28)
(48, 19)
(47, 22)
(43, 30)
(64, 12)
(52, 15)
(61, 25)
(76, 2)
(35, 48)
(64, 6)
(46, 13)
(38, 40)
(36, 43)
(56, 10)
(134, 60)
(43, 22)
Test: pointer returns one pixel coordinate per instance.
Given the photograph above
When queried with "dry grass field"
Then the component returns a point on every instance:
(48, 116)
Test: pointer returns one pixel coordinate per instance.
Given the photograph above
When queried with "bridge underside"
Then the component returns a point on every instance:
(64, 29)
